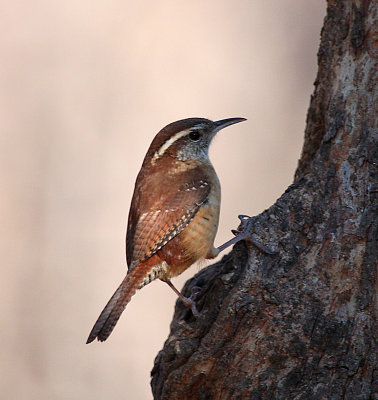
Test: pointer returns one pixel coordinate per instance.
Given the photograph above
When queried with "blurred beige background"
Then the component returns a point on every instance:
(84, 87)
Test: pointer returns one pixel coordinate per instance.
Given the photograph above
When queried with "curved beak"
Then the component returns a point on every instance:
(223, 123)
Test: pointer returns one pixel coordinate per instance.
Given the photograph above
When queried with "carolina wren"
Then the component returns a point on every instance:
(173, 216)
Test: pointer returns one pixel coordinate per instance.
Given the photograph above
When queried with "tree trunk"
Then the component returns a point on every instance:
(298, 324)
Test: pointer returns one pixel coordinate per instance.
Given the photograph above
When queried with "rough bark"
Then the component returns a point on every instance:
(299, 324)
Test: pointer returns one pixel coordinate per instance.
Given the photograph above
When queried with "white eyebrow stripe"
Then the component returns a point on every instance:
(165, 146)
(169, 143)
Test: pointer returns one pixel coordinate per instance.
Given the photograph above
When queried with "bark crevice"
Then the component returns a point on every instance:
(298, 324)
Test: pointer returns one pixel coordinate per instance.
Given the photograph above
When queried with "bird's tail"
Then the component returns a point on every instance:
(113, 310)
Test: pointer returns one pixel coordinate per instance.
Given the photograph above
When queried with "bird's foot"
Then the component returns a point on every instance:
(190, 301)
(245, 233)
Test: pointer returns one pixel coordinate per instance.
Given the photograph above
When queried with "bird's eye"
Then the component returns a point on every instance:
(194, 135)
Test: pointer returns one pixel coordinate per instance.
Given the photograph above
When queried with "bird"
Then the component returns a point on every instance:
(174, 214)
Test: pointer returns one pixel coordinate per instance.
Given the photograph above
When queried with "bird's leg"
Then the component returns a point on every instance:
(244, 233)
(188, 301)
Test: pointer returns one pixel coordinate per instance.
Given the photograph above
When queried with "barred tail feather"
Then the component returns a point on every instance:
(114, 308)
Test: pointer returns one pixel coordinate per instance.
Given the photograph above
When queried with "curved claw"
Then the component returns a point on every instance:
(245, 222)
(190, 303)
(262, 247)
(244, 217)
(196, 290)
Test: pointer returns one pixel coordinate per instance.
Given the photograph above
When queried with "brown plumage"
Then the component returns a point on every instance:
(173, 215)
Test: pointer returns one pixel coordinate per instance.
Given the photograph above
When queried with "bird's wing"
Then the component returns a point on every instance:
(161, 221)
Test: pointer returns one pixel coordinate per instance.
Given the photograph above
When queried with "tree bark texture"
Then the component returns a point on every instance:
(298, 324)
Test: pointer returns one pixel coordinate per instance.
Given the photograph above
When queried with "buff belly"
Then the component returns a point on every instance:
(196, 241)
